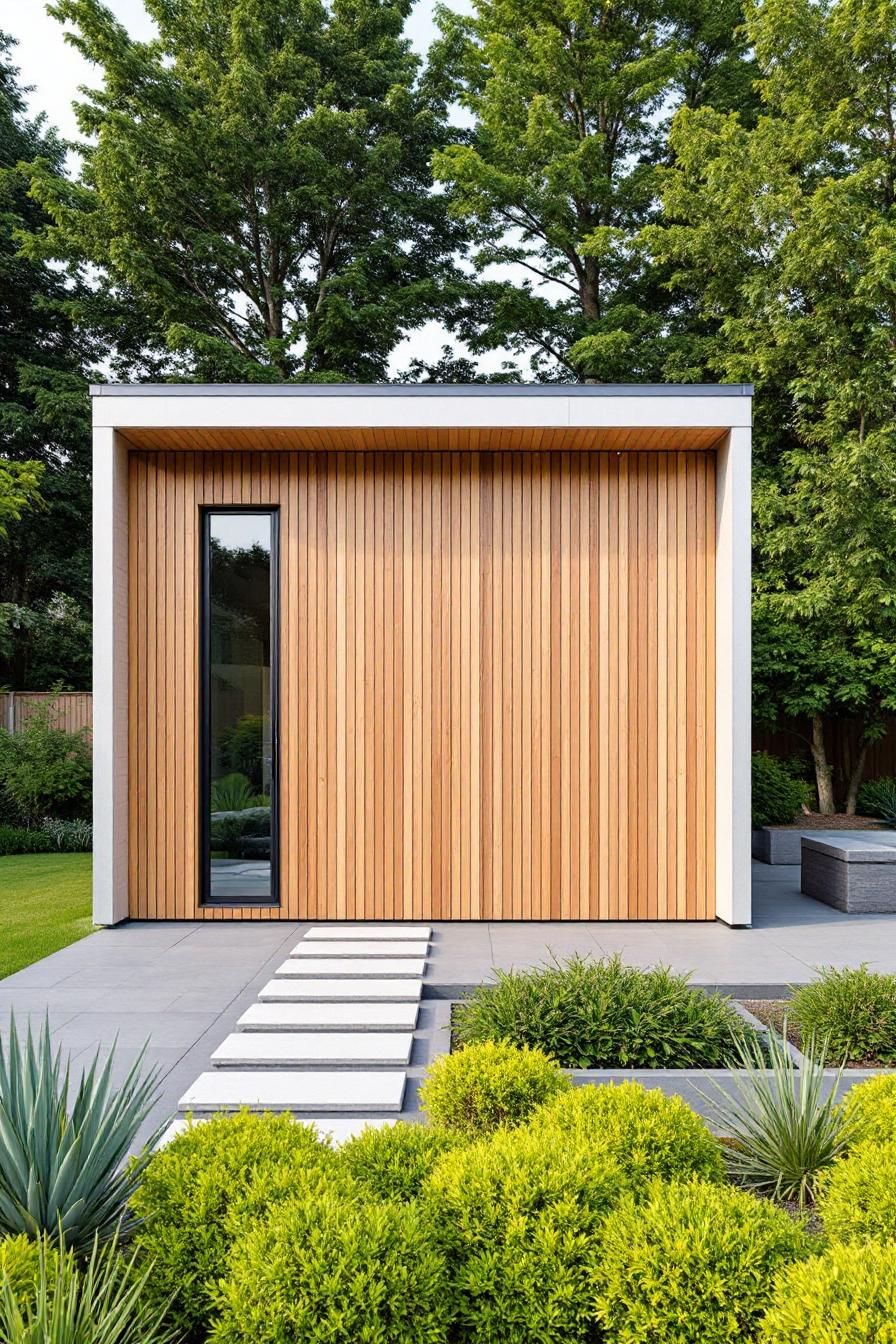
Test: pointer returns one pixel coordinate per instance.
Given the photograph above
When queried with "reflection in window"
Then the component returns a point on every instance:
(239, 739)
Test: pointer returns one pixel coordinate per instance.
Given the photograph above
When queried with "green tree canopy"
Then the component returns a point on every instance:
(789, 230)
(571, 102)
(255, 190)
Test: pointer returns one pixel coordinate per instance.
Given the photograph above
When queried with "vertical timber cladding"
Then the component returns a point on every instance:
(497, 682)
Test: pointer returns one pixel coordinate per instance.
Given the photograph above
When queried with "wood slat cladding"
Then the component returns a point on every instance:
(497, 682)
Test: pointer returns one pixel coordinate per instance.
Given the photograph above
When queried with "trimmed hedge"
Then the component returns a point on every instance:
(519, 1216)
(393, 1162)
(199, 1191)
(483, 1087)
(846, 1296)
(870, 1108)
(853, 1009)
(857, 1199)
(693, 1264)
(647, 1133)
(778, 793)
(326, 1270)
(52, 837)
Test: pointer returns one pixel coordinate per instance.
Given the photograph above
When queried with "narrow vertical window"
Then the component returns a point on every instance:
(239, 719)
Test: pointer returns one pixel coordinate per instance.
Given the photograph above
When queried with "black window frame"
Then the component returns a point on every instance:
(206, 512)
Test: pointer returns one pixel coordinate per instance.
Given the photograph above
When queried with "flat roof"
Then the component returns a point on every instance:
(421, 389)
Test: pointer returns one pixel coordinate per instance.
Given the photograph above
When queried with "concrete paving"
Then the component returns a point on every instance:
(182, 987)
(286, 1090)
(290, 1049)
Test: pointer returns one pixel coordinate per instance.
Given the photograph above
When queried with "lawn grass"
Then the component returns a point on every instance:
(44, 905)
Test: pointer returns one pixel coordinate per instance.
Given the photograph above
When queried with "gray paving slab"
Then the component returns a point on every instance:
(285, 1049)
(341, 991)
(358, 1017)
(379, 968)
(295, 1090)
(384, 932)
(365, 948)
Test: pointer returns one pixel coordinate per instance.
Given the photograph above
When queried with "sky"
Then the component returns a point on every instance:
(56, 69)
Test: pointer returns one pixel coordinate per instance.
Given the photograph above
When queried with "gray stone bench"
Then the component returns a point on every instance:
(781, 844)
(855, 874)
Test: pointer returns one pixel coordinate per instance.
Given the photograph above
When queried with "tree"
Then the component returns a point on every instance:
(255, 190)
(44, 422)
(789, 228)
(570, 100)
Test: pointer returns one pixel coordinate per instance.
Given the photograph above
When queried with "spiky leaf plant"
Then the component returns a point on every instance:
(62, 1150)
(100, 1302)
(785, 1128)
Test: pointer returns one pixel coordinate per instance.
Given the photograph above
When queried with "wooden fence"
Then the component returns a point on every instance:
(841, 741)
(74, 709)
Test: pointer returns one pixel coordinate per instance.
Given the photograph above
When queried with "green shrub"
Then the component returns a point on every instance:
(870, 1109)
(845, 1296)
(62, 1146)
(692, 1264)
(325, 1270)
(241, 747)
(68, 837)
(778, 792)
(853, 1010)
(482, 1087)
(231, 793)
(18, 840)
(647, 1133)
(785, 1122)
(857, 1199)
(197, 1191)
(101, 1302)
(877, 798)
(20, 1268)
(520, 1215)
(392, 1162)
(46, 771)
(591, 1014)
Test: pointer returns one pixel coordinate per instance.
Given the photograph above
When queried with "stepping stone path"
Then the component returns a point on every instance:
(331, 1036)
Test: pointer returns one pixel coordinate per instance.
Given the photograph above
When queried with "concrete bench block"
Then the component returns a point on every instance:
(361, 948)
(346, 933)
(380, 968)
(341, 991)
(856, 875)
(783, 844)
(359, 1017)
(289, 1049)
(295, 1090)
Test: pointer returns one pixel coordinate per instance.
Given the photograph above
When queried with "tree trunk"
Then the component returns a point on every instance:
(823, 779)
(855, 779)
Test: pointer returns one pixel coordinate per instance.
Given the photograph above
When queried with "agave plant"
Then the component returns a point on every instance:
(785, 1128)
(61, 1159)
(101, 1302)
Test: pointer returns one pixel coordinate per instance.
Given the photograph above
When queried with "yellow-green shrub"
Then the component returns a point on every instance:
(691, 1264)
(857, 1199)
(326, 1270)
(484, 1087)
(392, 1162)
(196, 1192)
(646, 1132)
(846, 1296)
(20, 1266)
(871, 1108)
(519, 1215)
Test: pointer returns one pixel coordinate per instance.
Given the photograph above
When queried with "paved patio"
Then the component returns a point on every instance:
(182, 987)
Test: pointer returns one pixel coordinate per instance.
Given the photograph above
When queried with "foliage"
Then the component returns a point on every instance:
(61, 1154)
(877, 798)
(45, 904)
(321, 1269)
(68, 837)
(870, 1109)
(645, 1132)
(49, 642)
(857, 1199)
(485, 1086)
(691, 1264)
(240, 747)
(520, 1215)
(101, 1302)
(232, 793)
(44, 770)
(570, 106)
(197, 1191)
(19, 491)
(255, 192)
(784, 1122)
(593, 1014)
(853, 1009)
(778, 794)
(393, 1161)
(20, 1265)
(18, 840)
(845, 1296)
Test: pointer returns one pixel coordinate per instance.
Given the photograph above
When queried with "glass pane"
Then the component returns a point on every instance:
(241, 767)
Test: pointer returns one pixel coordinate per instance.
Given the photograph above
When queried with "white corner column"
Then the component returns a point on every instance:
(110, 677)
(733, 671)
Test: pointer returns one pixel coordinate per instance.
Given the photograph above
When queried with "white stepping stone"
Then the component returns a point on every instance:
(295, 1090)
(380, 968)
(335, 1128)
(341, 991)
(358, 1017)
(369, 948)
(381, 933)
(290, 1048)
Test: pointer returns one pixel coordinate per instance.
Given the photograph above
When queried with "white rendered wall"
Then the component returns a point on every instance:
(110, 677)
(733, 709)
